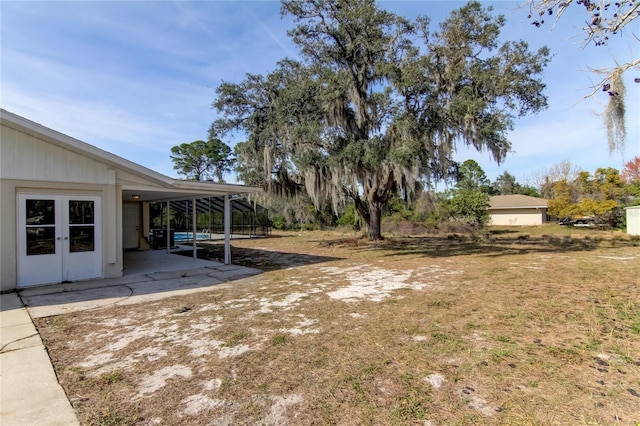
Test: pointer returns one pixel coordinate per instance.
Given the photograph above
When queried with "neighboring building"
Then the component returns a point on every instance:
(633, 220)
(69, 209)
(517, 210)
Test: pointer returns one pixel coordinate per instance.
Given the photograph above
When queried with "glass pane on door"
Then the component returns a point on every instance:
(40, 212)
(40, 221)
(81, 229)
(41, 240)
(81, 239)
(80, 212)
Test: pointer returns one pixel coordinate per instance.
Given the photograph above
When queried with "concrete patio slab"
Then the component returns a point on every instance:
(137, 289)
(225, 268)
(235, 274)
(184, 273)
(151, 261)
(49, 304)
(9, 302)
(82, 285)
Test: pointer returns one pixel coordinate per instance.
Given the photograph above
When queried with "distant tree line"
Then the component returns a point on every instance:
(601, 195)
(571, 191)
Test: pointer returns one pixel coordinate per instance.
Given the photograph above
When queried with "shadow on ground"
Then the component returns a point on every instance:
(493, 246)
(264, 260)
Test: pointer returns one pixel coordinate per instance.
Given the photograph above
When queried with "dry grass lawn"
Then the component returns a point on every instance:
(535, 326)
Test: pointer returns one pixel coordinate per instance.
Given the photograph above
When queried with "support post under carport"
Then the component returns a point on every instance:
(195, 236)
(227, 230)
(168, 229)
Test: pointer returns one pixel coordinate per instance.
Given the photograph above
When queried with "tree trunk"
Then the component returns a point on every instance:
(371, 213)
(374, 224)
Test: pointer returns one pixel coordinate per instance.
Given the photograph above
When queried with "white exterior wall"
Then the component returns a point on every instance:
(518, 217)
(25, 157)
(29, 164)
(633, 220)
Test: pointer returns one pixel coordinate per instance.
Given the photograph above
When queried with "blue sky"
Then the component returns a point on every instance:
(138, 77)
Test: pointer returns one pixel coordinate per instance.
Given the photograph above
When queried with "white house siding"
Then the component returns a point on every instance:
(518, 217)
(129, 179)
(29, 164)
(633, 220)
(31, 158)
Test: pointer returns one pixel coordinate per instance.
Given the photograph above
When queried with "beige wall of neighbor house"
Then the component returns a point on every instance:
(518, 217)
(38, 164)
(633, 220)
(517, 210)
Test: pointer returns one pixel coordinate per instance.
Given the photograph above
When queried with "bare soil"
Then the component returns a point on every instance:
(527, 326)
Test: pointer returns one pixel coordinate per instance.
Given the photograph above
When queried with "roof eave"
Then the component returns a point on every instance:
(517, 207)
(221, 188)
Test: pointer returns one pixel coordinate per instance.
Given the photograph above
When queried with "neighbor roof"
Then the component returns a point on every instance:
(516, 201)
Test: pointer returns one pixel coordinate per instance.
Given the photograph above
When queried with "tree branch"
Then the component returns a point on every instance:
(620, 69)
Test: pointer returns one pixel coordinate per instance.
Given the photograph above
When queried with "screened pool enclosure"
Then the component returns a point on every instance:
(247, 218)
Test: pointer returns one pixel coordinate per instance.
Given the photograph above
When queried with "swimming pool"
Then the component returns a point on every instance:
(188, 236)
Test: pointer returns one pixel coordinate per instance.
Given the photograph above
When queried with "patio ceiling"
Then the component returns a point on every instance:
(216, 204)
(183, 190)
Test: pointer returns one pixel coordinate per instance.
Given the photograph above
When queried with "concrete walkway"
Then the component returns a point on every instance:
(29, 389)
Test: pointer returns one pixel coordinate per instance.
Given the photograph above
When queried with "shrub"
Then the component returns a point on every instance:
(350, 218)
(396, 225)
(279, 222)
(307, 227)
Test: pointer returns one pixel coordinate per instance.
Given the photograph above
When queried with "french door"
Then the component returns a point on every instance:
(59, 238)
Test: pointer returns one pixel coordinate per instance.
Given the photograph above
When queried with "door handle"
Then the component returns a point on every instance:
(66, 238)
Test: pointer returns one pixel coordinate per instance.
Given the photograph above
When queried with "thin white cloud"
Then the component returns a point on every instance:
(287, 47)
(88, 121)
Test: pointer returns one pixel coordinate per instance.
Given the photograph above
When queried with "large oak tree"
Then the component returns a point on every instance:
(377, 102)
